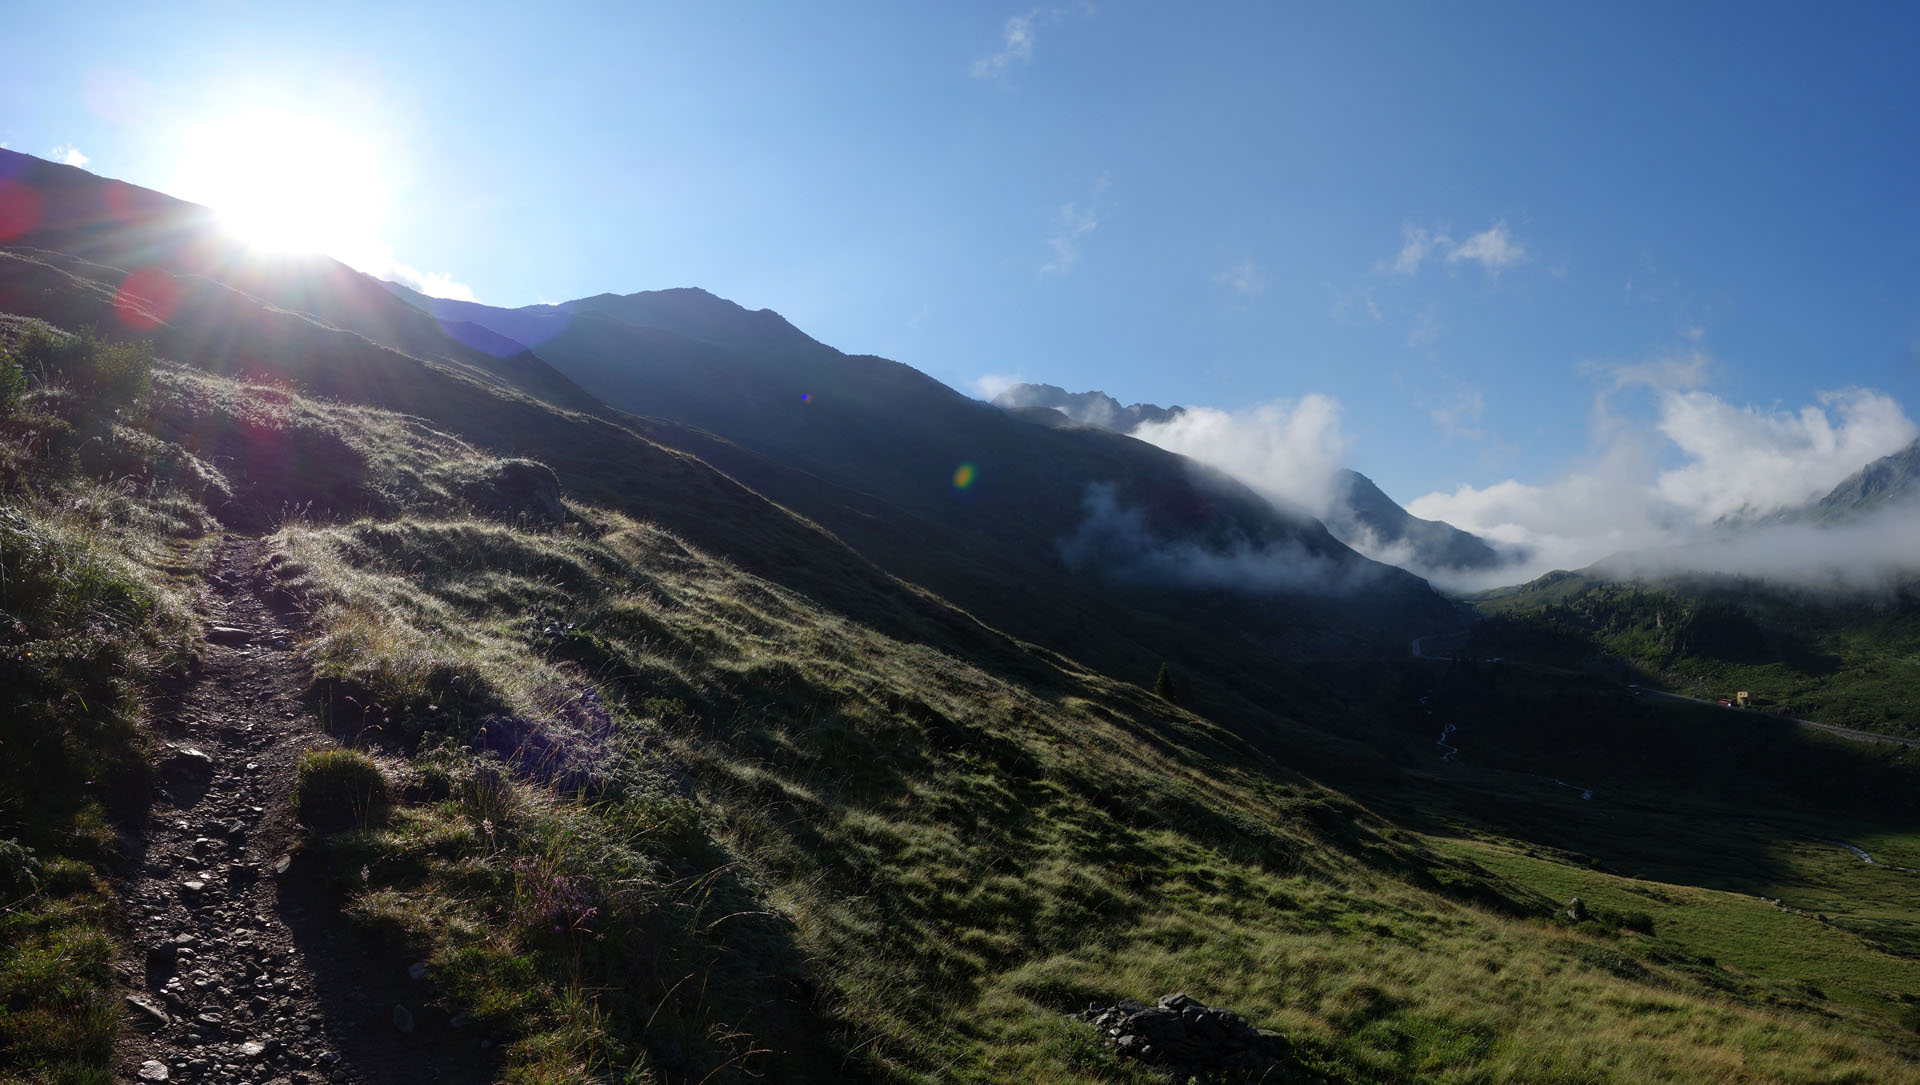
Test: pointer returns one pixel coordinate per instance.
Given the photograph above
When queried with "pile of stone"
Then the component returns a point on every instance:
(1191, 1041)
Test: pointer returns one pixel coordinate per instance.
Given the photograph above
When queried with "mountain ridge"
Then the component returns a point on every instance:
(872, 426)
(1362, 515)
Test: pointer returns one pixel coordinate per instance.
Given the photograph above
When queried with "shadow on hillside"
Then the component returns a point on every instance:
(358, 986)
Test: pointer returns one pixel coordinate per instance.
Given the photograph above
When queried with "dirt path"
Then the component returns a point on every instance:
(241, 968)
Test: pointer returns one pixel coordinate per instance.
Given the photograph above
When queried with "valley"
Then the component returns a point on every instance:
(659, 689)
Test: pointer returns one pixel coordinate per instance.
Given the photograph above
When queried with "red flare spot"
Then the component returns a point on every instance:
(146, 299)
(20, 209)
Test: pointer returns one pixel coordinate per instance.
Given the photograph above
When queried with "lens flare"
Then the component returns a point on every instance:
(20, 208)
(964, 475)
(146, 299)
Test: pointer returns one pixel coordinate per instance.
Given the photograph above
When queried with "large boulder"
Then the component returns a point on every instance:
(1188, 1039)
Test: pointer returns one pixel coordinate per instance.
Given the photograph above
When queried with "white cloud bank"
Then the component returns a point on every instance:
(1745, 461)
(1288, 450)
(1669, 490)
(70, 154)
(1736, 464)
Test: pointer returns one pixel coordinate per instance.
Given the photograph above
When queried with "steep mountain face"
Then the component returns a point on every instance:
(155, 268)
(1366, 517)
(910, 497)
(964, 498)
(1362, 515)
(1889, 480)
(1087, 408)
(162, 267)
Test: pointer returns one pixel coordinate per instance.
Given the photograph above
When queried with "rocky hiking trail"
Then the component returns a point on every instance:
(240, 966)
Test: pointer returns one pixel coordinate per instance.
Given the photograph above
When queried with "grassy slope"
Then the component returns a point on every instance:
(963, 858)
(92, 615)
(747, 832)
(1851, 661)
(763, 807)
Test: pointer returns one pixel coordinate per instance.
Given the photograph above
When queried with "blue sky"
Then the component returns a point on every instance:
(1503, 244)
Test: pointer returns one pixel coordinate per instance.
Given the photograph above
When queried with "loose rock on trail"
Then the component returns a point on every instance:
(240, 968)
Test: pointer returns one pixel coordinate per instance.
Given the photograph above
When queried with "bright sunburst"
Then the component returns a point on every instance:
(285, 182)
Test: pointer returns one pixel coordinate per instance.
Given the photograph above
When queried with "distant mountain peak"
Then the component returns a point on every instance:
(1889, 480)
(699, 314)
(1086, 408)
(1365, 517)
(1362, 516)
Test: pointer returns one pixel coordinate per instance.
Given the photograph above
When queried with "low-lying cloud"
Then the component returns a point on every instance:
(1873, 554)
(1745, 461)
(1115, 542)
(1677, 486)
(379, 261)
(1287, 449)
(1738, 465)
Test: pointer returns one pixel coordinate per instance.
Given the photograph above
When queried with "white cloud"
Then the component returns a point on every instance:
(1748, 461)
(1115, 541)
(1873, 554)
(1493, 249)
(379, 261)
(1288, 450)
(1243, 279)
(1070, 225)
(1416, 243)
(1019, 36)
(989, 385)
(1016, 47)
(70, 154)
(1736, 462)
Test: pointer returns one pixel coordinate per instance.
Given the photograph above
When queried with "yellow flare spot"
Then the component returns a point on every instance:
(963, 476)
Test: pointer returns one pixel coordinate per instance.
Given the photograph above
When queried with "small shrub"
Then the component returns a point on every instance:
(19, 869)
(338, 789)
(98, 370)
(13, 383)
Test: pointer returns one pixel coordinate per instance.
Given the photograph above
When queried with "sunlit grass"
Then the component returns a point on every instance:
(967, 859)
(651, 816)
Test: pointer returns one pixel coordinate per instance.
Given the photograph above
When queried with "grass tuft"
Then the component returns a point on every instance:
(338, 789)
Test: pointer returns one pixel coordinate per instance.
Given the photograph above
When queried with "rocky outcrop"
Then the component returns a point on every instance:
(1192, 1042)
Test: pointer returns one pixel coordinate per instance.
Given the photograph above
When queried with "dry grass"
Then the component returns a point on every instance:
(658, 819)
(963, 858)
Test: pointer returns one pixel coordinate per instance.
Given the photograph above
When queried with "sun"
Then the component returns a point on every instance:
(285, 182)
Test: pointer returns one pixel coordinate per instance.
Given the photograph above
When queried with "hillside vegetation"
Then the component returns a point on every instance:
(658, 817)
(1851, 660)
(662, 781)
